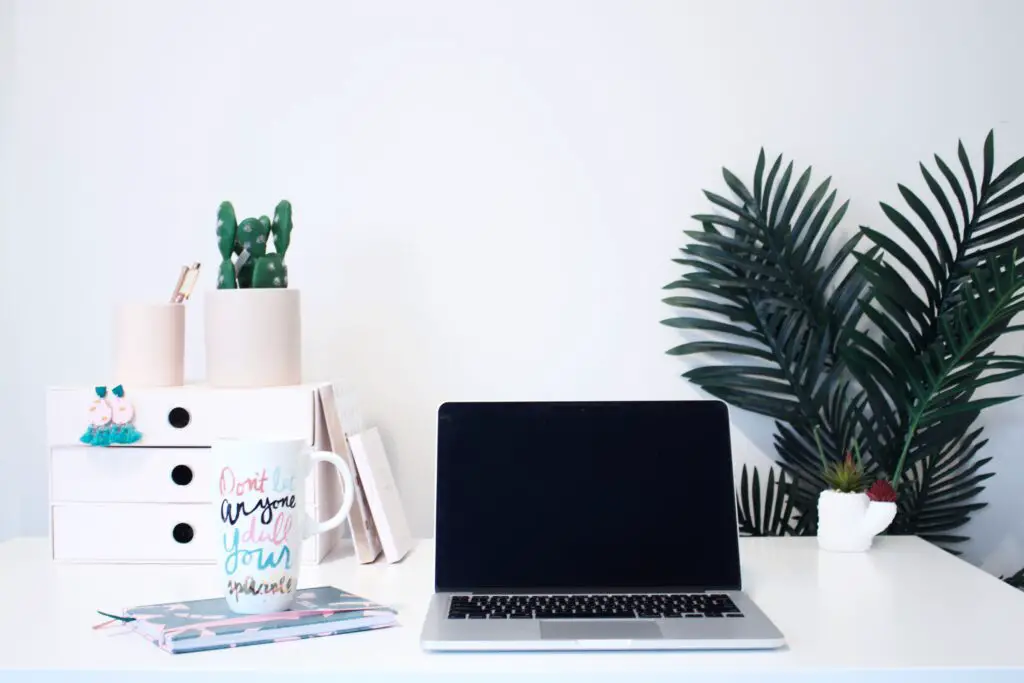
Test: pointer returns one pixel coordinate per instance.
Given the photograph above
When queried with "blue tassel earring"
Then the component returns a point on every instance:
(100, 413)
(123, 413)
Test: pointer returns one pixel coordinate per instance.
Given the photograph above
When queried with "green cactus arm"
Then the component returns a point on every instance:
(270, 272)
(226, 227)
(252, 235)
(282, 227)
(266, 224)
(226, 275)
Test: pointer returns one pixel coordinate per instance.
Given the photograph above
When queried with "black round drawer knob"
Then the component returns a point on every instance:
(179, 418)
(183, 533)
(182, 475)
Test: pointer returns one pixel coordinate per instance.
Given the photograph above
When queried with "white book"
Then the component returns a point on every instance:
(360, 520)
(381, 493)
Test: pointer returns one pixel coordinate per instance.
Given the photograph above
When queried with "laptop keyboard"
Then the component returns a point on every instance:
(630, 606)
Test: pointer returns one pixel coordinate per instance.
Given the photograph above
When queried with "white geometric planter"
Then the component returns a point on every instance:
(253, 337)
(849, 522)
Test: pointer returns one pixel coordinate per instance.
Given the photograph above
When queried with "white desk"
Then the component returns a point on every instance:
(906, 611)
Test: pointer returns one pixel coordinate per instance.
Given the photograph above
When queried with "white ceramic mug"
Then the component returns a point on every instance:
(260, 500)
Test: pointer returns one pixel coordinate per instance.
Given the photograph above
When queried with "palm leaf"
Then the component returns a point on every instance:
(772, 512)
(1016, 580)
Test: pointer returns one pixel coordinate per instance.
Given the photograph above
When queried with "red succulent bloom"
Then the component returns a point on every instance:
(882, 491)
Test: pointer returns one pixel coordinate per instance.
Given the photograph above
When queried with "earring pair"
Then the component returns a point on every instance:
(110, 419)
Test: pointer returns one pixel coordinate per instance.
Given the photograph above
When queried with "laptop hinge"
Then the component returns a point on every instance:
(548, 590)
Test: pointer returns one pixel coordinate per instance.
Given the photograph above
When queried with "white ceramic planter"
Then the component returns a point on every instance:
(253, 337)
(849, 522)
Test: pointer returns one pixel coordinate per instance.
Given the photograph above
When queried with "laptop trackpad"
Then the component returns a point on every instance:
(598, 630)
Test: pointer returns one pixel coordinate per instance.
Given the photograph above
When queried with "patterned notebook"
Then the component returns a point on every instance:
(199, 625)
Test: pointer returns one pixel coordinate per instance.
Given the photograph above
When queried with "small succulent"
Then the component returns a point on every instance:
(882, 491)
(254, 265)
(846, 475)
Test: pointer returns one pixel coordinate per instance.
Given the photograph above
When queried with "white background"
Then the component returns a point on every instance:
(487, 194)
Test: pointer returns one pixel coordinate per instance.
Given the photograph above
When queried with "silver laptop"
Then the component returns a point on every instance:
(588, 526)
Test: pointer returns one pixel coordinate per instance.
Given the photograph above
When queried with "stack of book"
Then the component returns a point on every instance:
(200, 625)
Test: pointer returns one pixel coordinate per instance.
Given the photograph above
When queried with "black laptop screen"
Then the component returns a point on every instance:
(573, 496)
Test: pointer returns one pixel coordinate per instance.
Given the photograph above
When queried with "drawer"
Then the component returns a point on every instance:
(130, 475)
(142, 533)
(81, 474)
(191, 416)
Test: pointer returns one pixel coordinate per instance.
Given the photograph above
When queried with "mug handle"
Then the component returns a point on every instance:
(349, 494)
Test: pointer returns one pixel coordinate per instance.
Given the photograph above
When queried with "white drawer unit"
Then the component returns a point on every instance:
(151, 501)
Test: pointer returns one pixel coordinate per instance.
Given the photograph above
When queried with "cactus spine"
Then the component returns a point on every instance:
(249, 240)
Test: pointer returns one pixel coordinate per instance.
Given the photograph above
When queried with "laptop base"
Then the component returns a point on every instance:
(754, 631)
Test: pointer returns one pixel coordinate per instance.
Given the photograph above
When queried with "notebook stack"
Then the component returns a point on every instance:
(200, 625)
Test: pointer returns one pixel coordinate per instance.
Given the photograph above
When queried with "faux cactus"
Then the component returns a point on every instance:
(254, 265)
(226, 228)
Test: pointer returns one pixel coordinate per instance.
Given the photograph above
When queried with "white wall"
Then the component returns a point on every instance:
(487, 194)
(10, 512)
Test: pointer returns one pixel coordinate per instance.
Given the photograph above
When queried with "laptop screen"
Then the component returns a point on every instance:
(585, 495)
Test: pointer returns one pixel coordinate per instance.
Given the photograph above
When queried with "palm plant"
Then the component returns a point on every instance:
(881, 339)
(1016, 580)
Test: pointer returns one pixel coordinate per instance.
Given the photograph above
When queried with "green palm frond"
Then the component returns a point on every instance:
(771, 513)
(1016, 580)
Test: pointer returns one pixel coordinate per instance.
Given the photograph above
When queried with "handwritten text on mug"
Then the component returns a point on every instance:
(250, 586)
(275, 505)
